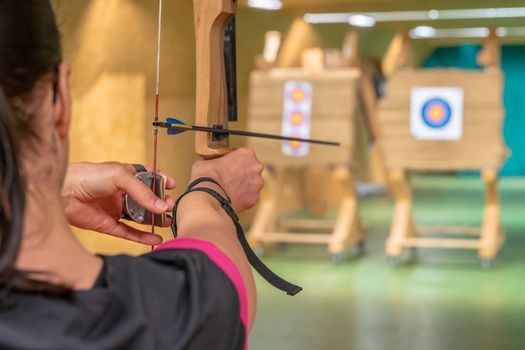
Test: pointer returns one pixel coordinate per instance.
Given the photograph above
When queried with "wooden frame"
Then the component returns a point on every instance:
(483, 119)
(405, 234)
(342, 233)
(323, 169)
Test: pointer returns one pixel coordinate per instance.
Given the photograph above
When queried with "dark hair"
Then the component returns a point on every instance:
(11, 199)
(29, 50)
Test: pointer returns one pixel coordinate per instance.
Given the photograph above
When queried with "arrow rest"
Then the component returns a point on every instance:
(216, 136)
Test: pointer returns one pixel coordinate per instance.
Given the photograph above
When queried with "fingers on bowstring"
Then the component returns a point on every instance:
(140, 193)
(170, 181)
(168, 221)
(129, 233)
(171, 202)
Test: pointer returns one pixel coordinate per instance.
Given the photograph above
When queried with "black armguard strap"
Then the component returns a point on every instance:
(255, 262)
(208, 179)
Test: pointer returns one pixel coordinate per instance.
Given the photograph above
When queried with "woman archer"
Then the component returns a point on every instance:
(196, 292)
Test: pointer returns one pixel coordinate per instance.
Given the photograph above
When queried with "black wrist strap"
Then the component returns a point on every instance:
(208, 179)
(255, 262)
(139, 168)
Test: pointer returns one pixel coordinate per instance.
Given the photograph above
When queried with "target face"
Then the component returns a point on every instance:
(295, 144)
(436, 113)
(297, 112)
(297, 118)
(298, 95)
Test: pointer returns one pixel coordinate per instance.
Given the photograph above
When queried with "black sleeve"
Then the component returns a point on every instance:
(186, 297)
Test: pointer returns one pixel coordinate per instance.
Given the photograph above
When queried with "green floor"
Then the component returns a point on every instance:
(441, 300)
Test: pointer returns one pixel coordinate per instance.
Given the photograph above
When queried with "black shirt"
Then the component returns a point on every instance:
(185, 295)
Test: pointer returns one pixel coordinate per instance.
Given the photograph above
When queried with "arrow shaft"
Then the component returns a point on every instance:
(221, 131)
(282, 138)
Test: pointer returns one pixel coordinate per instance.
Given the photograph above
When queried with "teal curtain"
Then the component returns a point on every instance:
(513, 65)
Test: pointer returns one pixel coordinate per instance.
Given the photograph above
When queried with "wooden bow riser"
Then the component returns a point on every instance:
(211, 19)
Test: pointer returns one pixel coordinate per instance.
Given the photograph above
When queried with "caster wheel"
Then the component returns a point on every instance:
(394, 261)
(361, 248)
(486, 264)
(283, 247)
(338, 258)
(259, 251)
(412, 254)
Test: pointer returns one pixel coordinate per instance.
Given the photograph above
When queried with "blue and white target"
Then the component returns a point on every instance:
(436, 113)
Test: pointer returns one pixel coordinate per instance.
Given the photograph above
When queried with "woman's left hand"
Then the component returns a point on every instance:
(92, 195)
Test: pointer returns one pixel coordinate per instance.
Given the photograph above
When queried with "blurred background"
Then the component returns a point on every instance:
(409, 235)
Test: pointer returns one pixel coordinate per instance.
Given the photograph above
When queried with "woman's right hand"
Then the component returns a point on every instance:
(238, 172)
(92, 196)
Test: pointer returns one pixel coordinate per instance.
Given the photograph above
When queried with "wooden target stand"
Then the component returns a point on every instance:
(320, 180)
(480, 148)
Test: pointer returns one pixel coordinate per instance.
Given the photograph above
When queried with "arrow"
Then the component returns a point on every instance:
(176, 126)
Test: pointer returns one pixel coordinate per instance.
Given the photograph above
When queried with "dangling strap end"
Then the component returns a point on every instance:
(294, 291)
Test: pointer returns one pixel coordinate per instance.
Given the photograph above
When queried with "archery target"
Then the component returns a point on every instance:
(436, 113)
(297, 114)
(298, 95)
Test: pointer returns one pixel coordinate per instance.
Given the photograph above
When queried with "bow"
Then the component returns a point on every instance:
(216, 103)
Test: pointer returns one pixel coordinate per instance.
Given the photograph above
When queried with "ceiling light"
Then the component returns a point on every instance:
(514, 31)
(316, 18)
(475, 32)
(423, 32)
(508, 12)
(397, 16)
(361, 20)
(433, 14)
(402, 16)
(265, 4)
(479, 32)
(502, 31)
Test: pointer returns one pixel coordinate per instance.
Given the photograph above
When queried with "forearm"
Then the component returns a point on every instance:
(199, 215)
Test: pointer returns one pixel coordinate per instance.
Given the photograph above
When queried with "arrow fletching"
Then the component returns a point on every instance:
(174, 131)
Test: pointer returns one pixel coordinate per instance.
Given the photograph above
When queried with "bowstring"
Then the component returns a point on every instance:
(156, 117)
